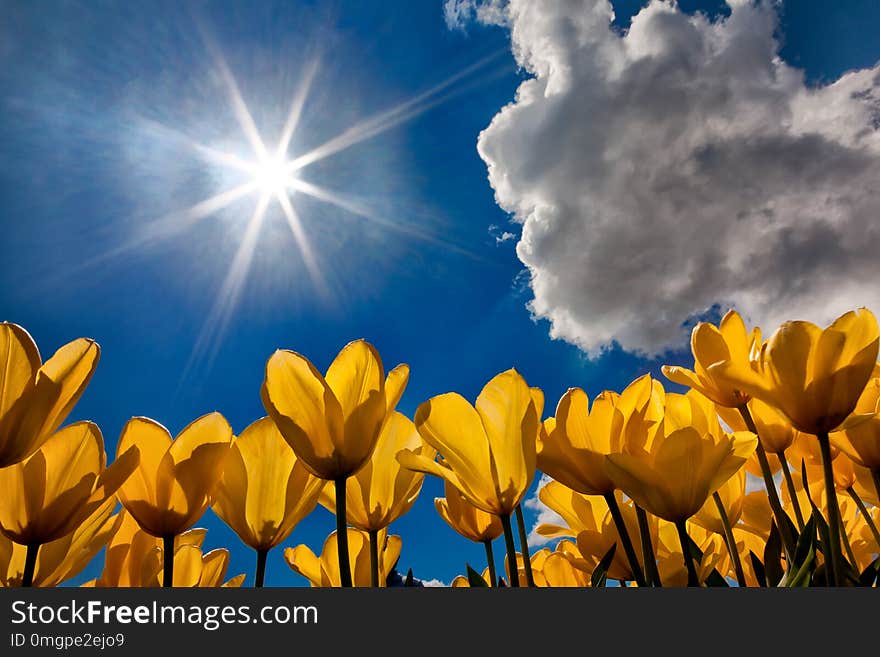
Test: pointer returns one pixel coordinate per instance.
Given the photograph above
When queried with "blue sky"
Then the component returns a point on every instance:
(85, 164)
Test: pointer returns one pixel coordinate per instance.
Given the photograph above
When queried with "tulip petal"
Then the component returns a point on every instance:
(306, 411)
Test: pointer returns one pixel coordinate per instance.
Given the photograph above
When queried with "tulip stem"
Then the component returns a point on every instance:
(693, 578)
(374, 557)
(875, 475)
(512, 566)
(730, 540)
(30, 564)
(864, 511)
(792, 491)
(342, 534)
(168, 558)
(782, 521)
(261, 568)
(524, 546)
(490, 558)
(846, 544)
(651, 571)
(834, 554)
(622, 532)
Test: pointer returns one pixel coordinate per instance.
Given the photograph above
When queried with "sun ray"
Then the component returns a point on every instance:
(304, 245)
(353, 207)
(229, 295)
(296, 107)
(387, 119)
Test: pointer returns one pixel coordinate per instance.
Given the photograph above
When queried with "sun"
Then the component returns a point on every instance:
(272, 175)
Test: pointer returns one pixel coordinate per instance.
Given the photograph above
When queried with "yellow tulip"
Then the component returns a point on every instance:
(134, 558)
(173, 483)
(673, 468)
(488, 450)
(814, 376)
(593, 544)
(732, 494)
(382, 491)
(774, 430)
(247, 496)
(688, 457)
(63, 558)
(671, 561)
(332, 422)
(462, 582)
(559, 569)
(36, 397)
(731, 343)
(323, 570)
(469, 521)
(861, 442)
(579, 512)
(57, 487)
(573, 453)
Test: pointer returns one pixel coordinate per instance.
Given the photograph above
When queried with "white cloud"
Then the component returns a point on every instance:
(435, 583)
(546, 515)
(458, 13)
(680, 165)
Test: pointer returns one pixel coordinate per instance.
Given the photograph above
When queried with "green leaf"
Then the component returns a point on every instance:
(410, 580)
(716, 579)
(600, 572)
(475, 579)
(772, 556)
(758, 567)
(871, 574)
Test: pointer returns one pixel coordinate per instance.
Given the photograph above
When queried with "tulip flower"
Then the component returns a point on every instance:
(57, 487)
(559, 569)
(488, 450)
(722, 512)
(730, 342)
(462, 582)
(260, 464)
(382, 491)
(815, 377)
(469, 521)
(333, 422)
(861, 442)
(673, 470)
(36, 397)
(323, 570)
(172, 486)
(63, 558)
(135, 558)
(573, 451)
(593, 544)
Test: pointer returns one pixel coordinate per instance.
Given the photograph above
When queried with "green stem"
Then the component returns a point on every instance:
(490, 559)
(512, 566)
(261, 568)
(374, 557)
(834, 556)
(653, 575)
(524, 546)
(30, 564)
(168, 559)
(693, 578)
(342, 534)
(846, 544)
(782, 521)
(867, 516)
(622, 532)
(875, 475)
(731, 541)
(792, 492)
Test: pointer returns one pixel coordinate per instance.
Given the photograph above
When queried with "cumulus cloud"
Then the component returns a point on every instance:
(679, 165)
(458, 13)
(434, 583)
(546, 515)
